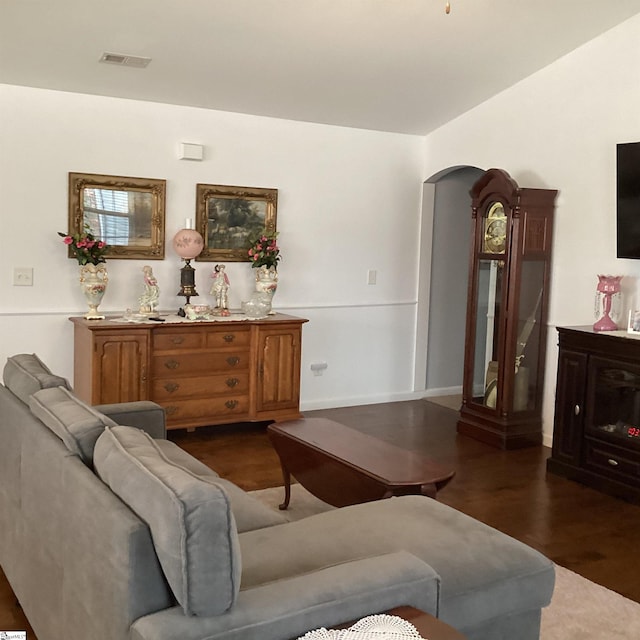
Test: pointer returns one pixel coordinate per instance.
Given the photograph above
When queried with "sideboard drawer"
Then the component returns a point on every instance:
(178, 388)
(184, 364)
(205, 410)
(172, 340)
(169, 339)
(221, 338)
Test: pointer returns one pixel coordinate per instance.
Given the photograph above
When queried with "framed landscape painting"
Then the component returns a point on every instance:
(229, 218)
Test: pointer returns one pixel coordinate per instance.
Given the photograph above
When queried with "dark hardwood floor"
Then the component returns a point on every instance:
(586, 531)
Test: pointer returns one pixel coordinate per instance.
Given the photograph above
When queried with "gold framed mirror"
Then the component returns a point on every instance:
(126, 213)
(229, 218)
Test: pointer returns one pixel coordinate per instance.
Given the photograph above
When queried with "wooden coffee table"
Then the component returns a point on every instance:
(428, 626)
(343, 466)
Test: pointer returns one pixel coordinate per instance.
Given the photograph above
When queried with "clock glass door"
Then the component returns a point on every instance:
(489, 287)
(528, 363)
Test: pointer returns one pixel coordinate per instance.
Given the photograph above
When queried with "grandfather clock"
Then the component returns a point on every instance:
(506, 312)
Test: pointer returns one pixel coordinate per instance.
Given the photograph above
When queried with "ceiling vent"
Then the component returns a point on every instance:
(125, 60)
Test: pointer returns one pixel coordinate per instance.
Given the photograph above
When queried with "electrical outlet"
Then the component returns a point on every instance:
(318, 368)
(23, 276)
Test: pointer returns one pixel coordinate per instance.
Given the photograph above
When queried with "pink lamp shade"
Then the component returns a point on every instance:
(188, 243)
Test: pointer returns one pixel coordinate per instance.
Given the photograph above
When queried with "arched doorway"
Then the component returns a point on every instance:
(444, 264)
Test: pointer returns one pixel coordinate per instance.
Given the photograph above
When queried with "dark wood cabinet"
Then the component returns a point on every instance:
(596, 435)
(508, 290)
(202, 373)
(570, 393)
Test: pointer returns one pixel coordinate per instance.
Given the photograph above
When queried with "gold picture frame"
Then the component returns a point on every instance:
(126, 213)
(229, 218)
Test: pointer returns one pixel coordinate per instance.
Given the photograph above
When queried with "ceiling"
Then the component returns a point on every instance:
(390, 65)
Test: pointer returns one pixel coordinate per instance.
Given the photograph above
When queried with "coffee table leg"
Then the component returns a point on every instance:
(287, 488)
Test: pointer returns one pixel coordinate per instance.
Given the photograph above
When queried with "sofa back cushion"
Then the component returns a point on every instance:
(248, 512)
(77, 424)
(25, 373)
(192, 526)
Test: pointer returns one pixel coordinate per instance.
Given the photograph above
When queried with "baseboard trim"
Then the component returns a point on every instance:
(443, 391)
(356, 401)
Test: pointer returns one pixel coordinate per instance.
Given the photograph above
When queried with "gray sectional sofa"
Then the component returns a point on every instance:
(111, 532)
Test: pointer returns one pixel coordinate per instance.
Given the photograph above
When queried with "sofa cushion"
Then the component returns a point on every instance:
(485, 574)
(25, 373)
(77, 424)
(191, 522)
(249, 512)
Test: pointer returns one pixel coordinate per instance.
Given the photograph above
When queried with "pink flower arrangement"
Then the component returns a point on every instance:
(264, 251)
(86, 248)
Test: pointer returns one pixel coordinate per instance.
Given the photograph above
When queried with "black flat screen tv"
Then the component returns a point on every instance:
(628, 200)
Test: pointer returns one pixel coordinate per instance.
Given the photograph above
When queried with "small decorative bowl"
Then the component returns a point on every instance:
(256, 308)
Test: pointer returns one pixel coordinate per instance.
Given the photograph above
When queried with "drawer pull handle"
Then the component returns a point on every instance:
(231, 404)
(171, 386)
(172, 364)
(233, 360)
(612, 462)
(170, 410)
(178, 340)
(232, 382)
(576, 410)
(229, 337)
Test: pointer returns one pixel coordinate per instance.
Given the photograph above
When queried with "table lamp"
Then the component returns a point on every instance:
(608, 287)
(188, 244)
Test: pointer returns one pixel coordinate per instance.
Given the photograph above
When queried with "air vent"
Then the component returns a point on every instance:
(125, 60)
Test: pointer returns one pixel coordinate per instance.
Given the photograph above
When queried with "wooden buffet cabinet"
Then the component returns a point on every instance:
(596, 435)
(202, 373)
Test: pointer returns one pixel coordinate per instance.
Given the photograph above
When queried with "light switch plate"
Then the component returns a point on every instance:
(23, 277)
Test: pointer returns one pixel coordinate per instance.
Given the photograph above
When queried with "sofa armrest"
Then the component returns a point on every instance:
(142, 414)
(290, 607)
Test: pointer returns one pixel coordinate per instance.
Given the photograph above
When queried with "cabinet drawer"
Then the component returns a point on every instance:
(168, 339)
(612, 461)
(172, 340)
(227, 338)
(234, 407)
(165, 390)
(182, 364)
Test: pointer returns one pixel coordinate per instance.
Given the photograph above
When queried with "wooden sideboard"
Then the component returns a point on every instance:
(596, 434)
(202, 373)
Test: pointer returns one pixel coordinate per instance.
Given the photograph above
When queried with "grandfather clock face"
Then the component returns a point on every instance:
(495, 229)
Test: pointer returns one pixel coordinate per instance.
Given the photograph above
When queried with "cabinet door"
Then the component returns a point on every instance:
(570, 396)
(120, 367)
(278, 374)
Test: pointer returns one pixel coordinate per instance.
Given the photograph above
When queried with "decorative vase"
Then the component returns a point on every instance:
(93, 282)
(267, 282)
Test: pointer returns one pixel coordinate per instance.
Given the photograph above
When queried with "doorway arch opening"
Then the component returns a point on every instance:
(442, 281)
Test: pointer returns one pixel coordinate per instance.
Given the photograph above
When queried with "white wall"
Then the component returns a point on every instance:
(558, 129)
(349, 201)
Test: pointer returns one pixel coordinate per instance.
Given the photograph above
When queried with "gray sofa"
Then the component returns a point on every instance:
(112, 532)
